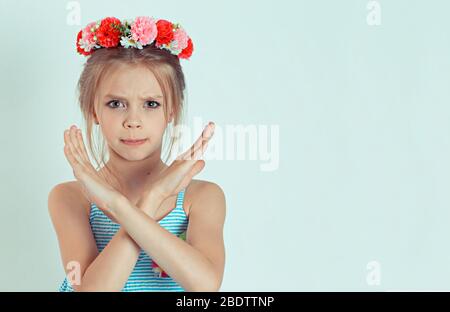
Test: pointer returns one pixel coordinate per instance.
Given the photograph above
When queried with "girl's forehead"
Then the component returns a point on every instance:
(126, 78)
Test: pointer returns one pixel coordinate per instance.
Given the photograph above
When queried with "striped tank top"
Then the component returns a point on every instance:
(146, 276)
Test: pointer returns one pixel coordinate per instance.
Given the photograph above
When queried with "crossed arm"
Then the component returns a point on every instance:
(197, 264)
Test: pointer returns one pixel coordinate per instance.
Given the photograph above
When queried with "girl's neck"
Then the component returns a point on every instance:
(133, 176)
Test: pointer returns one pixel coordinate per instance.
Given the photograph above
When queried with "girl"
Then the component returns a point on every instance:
(134, 223)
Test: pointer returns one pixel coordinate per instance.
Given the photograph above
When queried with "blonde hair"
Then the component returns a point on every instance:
(168, 72)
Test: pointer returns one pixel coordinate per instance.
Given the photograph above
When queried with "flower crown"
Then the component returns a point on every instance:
(142, 31)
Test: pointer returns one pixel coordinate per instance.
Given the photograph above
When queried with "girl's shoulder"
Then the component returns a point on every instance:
(198, 185)
(197, 190)
(202, 191)
(71, 192)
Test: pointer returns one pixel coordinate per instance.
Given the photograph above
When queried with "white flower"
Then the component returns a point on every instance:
(87, 46)
(174, 47)
(127, 42)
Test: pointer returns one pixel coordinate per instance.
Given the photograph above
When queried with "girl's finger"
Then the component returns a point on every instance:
(182, 167)
(83, 147)
(206, 134)
(191, 162)
(74, 140)
(68, 143)
(198, 154)
(194, 165)
(198, 166)
(194, 155)
(68, 153)
(210, 130)
(204, 138)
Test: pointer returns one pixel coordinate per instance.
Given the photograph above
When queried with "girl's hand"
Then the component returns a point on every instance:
(95, 188)
(179, 174)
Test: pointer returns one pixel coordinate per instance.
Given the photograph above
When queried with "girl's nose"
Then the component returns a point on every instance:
(132, 124)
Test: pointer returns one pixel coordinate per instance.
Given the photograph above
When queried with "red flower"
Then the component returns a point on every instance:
(80, 49)
(165, 32)
(187, 52)
(108, 34)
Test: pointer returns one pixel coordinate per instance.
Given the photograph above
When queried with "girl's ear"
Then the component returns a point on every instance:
(170, 117)
(95, 118)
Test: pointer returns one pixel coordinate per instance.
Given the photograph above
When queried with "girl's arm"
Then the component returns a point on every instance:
(196, 264)
(112, 267)
(108, 270)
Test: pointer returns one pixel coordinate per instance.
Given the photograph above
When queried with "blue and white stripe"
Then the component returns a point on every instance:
(143, 278)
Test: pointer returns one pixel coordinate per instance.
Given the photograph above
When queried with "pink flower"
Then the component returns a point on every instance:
(87, 41)
(89, 32)
(143, 30)
(181, 39)
(79, 48)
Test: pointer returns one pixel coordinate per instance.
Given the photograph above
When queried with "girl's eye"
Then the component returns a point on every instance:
(153, 104)
(113, 102)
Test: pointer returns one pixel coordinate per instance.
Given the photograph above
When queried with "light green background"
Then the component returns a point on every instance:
(363, 113)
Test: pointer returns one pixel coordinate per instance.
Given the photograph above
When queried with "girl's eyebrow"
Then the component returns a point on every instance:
(113, 96)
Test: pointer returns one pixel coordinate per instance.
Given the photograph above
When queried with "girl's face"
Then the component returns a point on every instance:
(130, 106)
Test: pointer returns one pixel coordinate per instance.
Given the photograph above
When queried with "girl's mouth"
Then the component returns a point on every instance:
(133, 142)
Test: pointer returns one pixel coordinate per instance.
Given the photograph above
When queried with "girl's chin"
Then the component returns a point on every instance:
(134, 153)
(129, 157)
